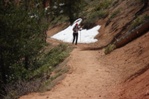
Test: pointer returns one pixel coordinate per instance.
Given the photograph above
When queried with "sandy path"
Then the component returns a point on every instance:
(86, 80)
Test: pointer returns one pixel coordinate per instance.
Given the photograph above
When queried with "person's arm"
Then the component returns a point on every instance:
(79, 28)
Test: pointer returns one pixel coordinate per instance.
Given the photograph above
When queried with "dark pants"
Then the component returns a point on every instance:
(75, 37)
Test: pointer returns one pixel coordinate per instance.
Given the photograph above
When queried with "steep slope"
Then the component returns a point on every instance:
(121, 19)
(134, 72)
(131, 61)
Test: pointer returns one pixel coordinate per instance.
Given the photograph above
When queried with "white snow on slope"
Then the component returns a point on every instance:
(85, 36)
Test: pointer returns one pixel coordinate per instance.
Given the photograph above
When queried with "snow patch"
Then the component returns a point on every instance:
(85, 36)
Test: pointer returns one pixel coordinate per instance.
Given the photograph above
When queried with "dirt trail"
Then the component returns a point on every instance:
(87, 79)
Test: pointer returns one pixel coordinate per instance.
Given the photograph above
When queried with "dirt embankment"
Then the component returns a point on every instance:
(120, 20)
(132, 68)
(131, 61)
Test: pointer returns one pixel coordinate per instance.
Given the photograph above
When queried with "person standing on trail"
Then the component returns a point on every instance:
(75, 34)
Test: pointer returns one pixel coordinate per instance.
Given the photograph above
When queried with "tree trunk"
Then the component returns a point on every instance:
(26, 4)
(26, 62)
(44, 3)
(2, 67)
(70, 15)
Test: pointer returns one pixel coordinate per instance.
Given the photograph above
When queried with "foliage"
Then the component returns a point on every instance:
(22, 38)
(96, 10)
(36, 79)
(109, 48)
(98, 14)
(93, 17)
(68, 8)
(22, 42)
(115, 13)
(58, 20)
(104, 4)
(52, 59)
(139, 20)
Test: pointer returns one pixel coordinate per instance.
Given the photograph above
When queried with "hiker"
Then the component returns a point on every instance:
(75, 33)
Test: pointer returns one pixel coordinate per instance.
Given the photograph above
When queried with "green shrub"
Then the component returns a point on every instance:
(103, 5)
(115, 13)
(138, 21)
(58, 20)
(106, 4)
(12, 95)
(98, 15)
(52, 59)
(109, 48)
(36, 78)
(93, 17)
(102, 14)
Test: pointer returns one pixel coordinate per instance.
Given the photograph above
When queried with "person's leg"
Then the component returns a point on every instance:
(76, 38)
(73, 38)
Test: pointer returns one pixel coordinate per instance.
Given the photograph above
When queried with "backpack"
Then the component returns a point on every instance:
(75, 29)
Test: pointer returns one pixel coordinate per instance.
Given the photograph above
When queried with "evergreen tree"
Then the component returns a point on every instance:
(72, 9)
(68, 8)
(21, 38)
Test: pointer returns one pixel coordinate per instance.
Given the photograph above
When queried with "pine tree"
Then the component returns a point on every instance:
(21, 38)
(68, 8)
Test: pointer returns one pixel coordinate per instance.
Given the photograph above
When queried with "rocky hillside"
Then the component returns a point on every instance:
(125, 29)
(120, 20)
